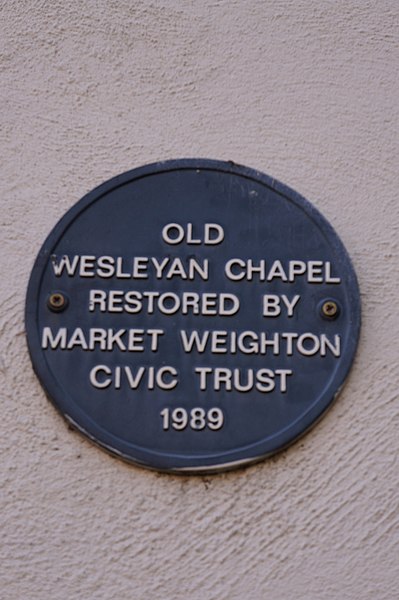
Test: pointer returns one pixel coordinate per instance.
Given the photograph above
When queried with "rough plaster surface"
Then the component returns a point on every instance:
(306, 91)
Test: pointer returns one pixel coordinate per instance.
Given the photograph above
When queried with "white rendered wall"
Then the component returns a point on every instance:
(306, 91)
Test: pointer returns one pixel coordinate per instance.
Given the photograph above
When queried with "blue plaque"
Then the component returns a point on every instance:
(192, 316)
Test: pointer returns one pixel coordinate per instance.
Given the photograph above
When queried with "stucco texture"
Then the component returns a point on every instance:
(306, 91)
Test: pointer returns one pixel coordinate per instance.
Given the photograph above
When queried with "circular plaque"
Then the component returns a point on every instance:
(192, 316)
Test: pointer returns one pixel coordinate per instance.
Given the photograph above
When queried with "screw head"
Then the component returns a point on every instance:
(329, 309)
(57, 301)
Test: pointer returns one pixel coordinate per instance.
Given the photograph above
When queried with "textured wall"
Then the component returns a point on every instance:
(306, 91)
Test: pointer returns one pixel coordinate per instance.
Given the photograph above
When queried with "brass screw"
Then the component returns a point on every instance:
(329, 309)
(57, 302)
